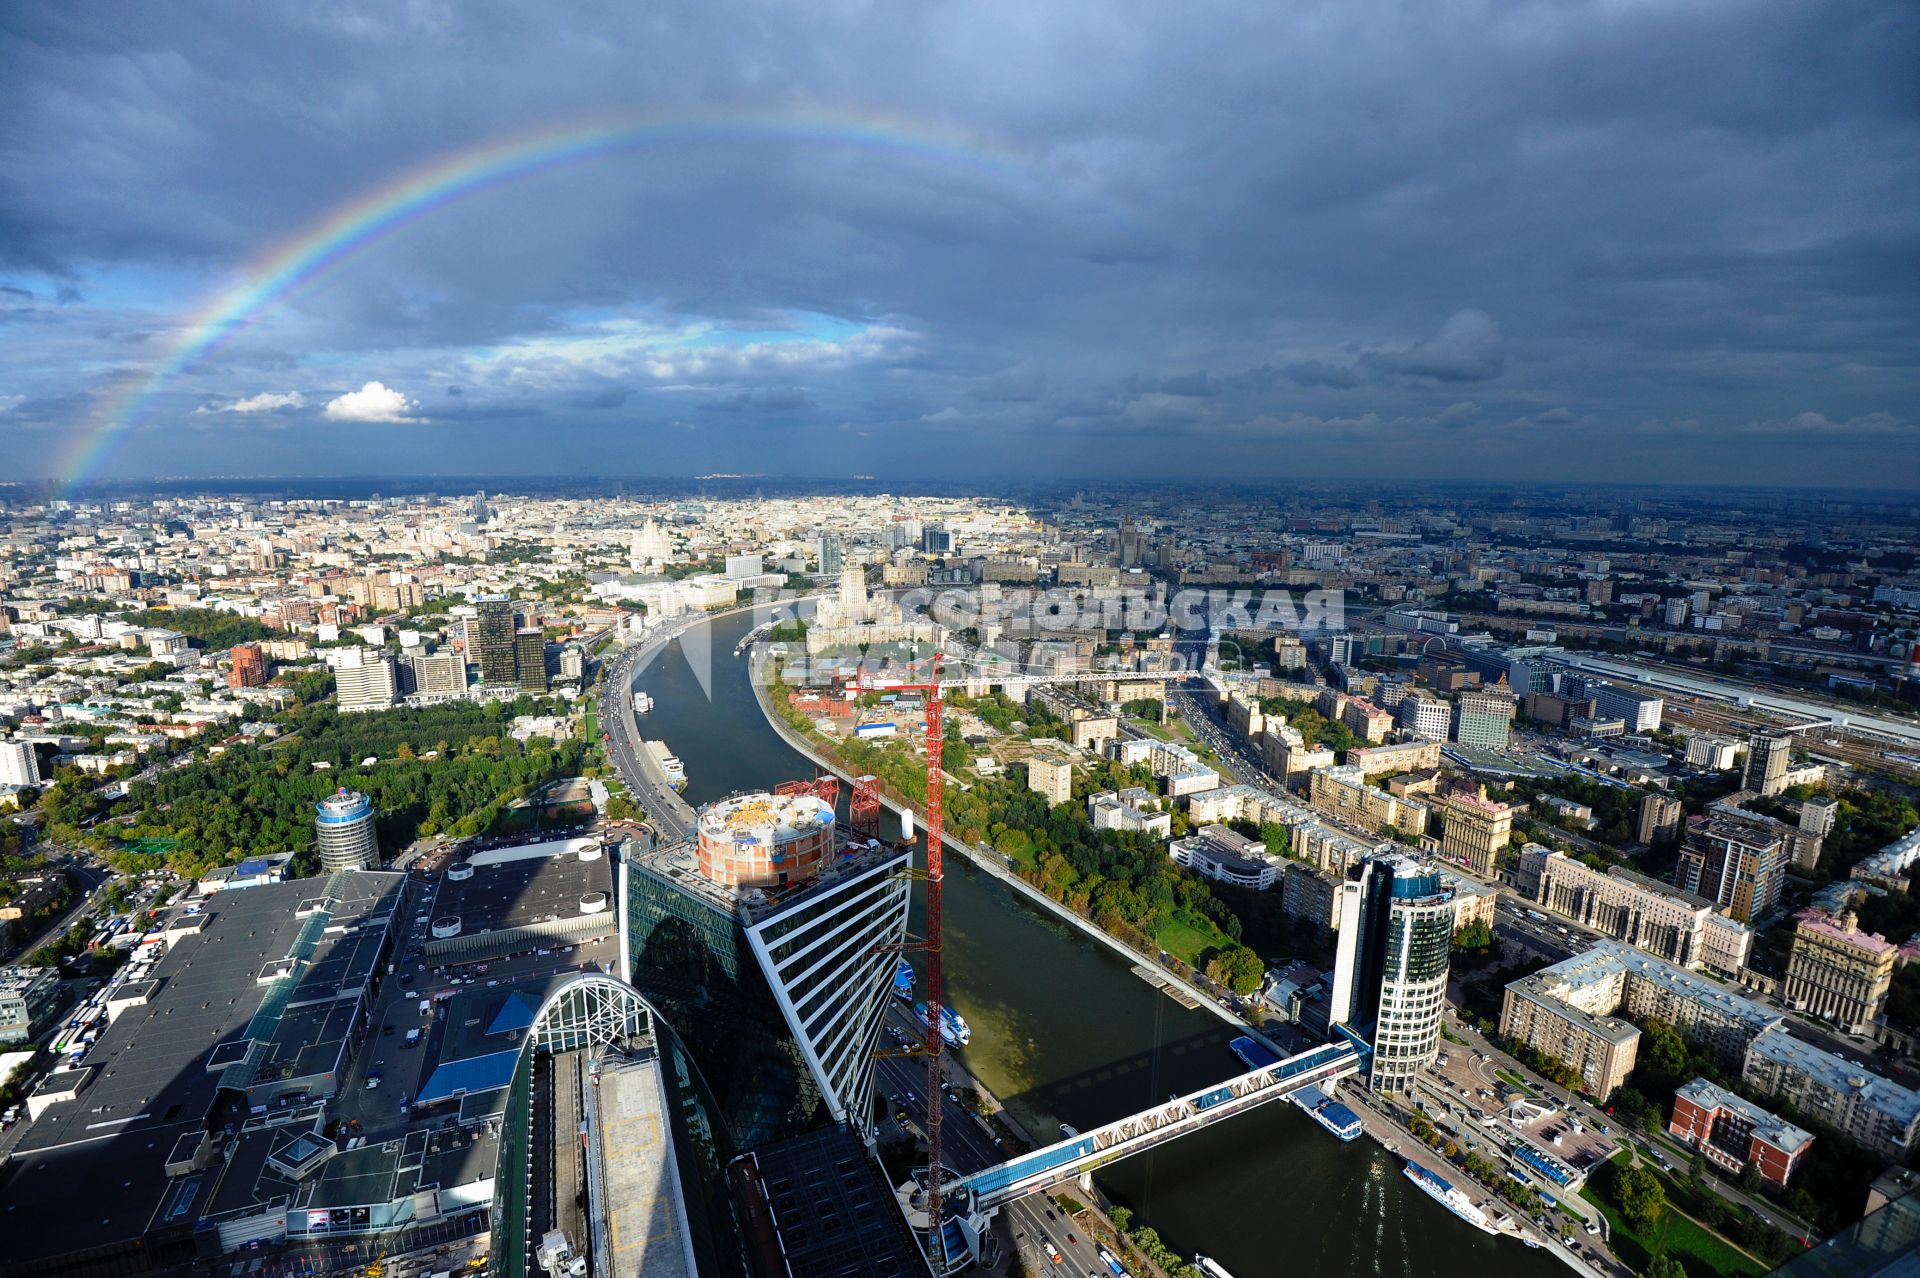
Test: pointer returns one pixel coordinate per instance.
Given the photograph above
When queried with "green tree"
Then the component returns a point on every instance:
(1664, 1266)
(1238, 968)
(1641, 1196)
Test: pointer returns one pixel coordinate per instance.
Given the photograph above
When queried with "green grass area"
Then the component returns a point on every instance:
(1508, 1076)
(1702, 1252)
(1151, 729)
(593, 726)
(1186, 938)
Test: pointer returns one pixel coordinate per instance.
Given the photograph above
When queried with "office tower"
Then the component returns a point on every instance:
(1424, 717)
(1768, 754)
(530, 659)
(490, 640)
(480, 511)
(246, 667)
(1484, 717)
(1476, 832)
(829, 552)
(936, 540)
(369, 685)
(1674, 611)
(1390, 970)
(1130, 543)
(1738, 865)
(1659, 818)
(1837, 972)
(1641, 713)
(343, 832)
(437, 676)
(19, 765)
(779, 954)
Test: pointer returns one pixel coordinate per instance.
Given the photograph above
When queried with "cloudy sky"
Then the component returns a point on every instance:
(1662, 241)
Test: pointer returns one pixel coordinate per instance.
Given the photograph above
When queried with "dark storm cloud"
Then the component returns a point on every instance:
(1114, 236)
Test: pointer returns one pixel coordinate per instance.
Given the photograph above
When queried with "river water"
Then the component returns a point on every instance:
(1063, 1031)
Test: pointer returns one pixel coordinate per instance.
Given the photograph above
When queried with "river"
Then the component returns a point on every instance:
(1063, 1031)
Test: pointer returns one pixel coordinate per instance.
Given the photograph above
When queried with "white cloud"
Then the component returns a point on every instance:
(264, 402)
(10, 402)
(373, 402)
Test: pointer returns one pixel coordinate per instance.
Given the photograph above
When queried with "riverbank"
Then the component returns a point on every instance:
(995, 864)
(1394, 1139)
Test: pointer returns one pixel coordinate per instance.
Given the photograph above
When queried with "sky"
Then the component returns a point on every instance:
(1675, 241)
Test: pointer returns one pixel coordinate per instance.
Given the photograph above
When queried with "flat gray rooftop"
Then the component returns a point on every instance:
(519, 893)
(646, 1228)
(91, 1171)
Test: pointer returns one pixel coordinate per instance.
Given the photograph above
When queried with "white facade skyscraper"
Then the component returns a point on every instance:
(343, 829)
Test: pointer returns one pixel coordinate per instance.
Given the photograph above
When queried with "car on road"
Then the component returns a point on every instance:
(1053, 1253)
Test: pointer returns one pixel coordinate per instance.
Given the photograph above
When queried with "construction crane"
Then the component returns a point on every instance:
(863, 815)
(866, 792)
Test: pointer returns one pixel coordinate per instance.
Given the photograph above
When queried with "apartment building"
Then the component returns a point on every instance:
(1837, 972)
(1366, 720)
(1425, 717)
(1134, 808)
(1660, 817)
(1476, 832)
(1383, 760)
(1312, 896)
(1738, 865)
(1873, 1111)
(366, 684)
(1572, 1010)
(1344, 792)
(1052, 778)
(1733, 1133)
(1663, 920)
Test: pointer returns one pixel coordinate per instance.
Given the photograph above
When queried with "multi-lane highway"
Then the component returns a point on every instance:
(665, 810)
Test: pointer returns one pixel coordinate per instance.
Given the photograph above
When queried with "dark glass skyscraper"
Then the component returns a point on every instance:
(490, 640)
(1390, 973)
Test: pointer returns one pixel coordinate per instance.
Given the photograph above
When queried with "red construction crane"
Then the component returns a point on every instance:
(936, 825)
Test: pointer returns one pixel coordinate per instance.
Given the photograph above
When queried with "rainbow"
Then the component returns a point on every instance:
(364, 223)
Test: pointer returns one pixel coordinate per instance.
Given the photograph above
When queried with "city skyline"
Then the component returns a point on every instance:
(1523, 246)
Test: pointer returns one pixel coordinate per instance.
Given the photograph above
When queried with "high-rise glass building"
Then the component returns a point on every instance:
(490, 640)
(1390, 971)
(780, 989)
(343, 829)
(530, 659)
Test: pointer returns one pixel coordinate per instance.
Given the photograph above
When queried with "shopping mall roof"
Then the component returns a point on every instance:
(92, 1171)
(519, 887)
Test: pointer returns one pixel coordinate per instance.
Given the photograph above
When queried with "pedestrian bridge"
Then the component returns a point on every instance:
(1066, 1159)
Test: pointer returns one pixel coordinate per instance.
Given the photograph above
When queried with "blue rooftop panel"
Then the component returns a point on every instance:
(474, 1074)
